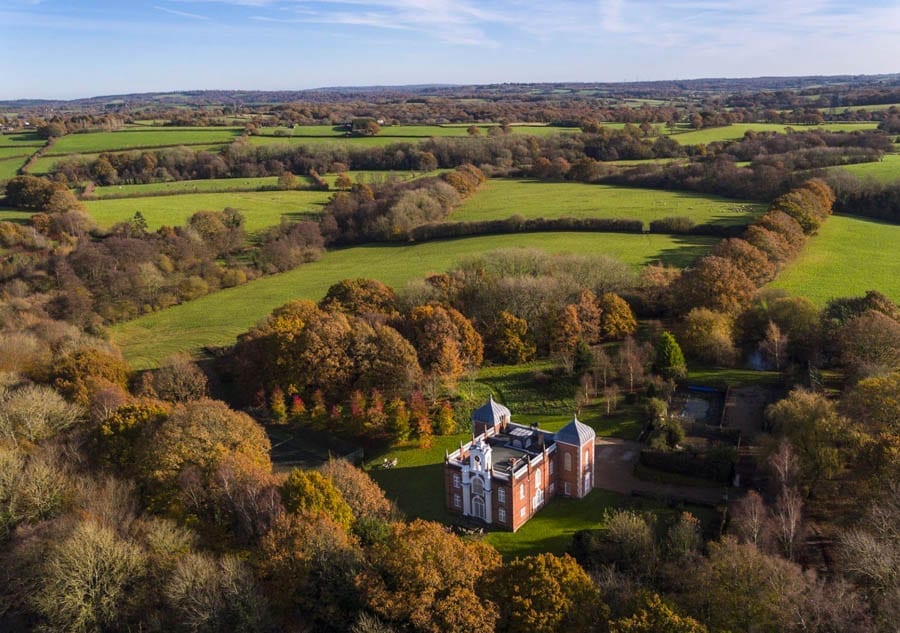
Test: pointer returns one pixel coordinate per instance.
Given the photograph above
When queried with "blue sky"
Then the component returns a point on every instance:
(78, 48)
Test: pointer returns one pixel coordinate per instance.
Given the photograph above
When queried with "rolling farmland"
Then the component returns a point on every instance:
(218, 318)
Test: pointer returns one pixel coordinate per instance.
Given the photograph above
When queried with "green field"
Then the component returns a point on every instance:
(44, 164)
(885, 170)
(502, 198)
(848, 256)
(737, 130)
(261, 209)
(218, 318)
(9, 166)
(315, 134)
(219, 185)
(16, 152)
(94, 142)
(21, 139)
(14, 215)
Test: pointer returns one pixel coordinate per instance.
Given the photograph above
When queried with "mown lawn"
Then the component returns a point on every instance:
(885, 170)
(737, 130)
(10, 165)
(218, 318)
(504, 197)
(848, 257)
(14, 215)
(93, 142)
(261, 209)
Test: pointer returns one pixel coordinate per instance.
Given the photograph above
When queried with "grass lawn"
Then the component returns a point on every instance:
(501, 198)
(848, 257)
(218, 318)
(261, 209)
(885, 170)
(93, 142)
(16, 152)
(736, 131)
(731, 377)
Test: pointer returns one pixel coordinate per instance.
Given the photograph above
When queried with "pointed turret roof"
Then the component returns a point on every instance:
(575, 433)
(490, 413)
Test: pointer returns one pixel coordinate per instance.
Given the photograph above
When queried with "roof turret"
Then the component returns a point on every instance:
(575, 433)
(491, 413)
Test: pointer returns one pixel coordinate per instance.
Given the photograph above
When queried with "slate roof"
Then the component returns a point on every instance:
(575, 433)
(490, 413)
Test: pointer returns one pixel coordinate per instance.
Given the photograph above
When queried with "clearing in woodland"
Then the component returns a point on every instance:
(218, 318)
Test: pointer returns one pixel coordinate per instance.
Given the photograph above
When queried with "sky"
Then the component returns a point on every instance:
(63, 49)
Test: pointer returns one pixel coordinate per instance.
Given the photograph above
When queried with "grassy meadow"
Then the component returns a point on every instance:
(737, 130)
(218, 318)
(849, 256)
(15, 215)
(261, 209)
(502, 198)
(885, 170)
(10, 165)
(21, 139)
(94, 142)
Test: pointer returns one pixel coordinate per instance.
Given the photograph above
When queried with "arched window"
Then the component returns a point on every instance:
(538, 478)
(477, 486)
(567, 462)
(587, 455)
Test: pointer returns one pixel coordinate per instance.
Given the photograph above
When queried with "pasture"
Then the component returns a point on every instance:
(737, 130)
(885, 170)
(261, 209)
(848, 257)
(21, 139)
(94, 142)
(218, 318)
(502, 198)
(20, 216)
(10, 165)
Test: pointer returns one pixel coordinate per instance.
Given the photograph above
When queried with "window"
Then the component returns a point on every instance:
(587, 455)
(457, 502)
(567, 462)
(501, 495)
(455, 480)
(552, 487)
(551, 466)
(501, 515)
(538, 478)
(477, 486)
(521, 491)
(522, 512)
(568, 488)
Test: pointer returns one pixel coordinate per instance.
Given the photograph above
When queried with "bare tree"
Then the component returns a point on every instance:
(787, 523)
(784, 465)
(751, 519)
(774, 344)
(611, 397)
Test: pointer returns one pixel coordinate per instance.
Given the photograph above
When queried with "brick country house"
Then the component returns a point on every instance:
(509, 471)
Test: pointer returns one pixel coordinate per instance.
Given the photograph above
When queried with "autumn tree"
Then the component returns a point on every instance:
(715, 283)
(117, 440)
(86, 369)
(774, 345)
(655, 616)
(308, 566)
(547, 594)
(445, 340)
(425, 577)
(748, 258)
(616, 317)
(361, 297)
(200, 434)
(707, 335)
(565, 335)
(179, 379)
(309, 492)
(359, 490)
(870, 343)
(816, 431)
(510, 340)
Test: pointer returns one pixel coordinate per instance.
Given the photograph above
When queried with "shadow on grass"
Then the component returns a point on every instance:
(417, 490)
(687, 249)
